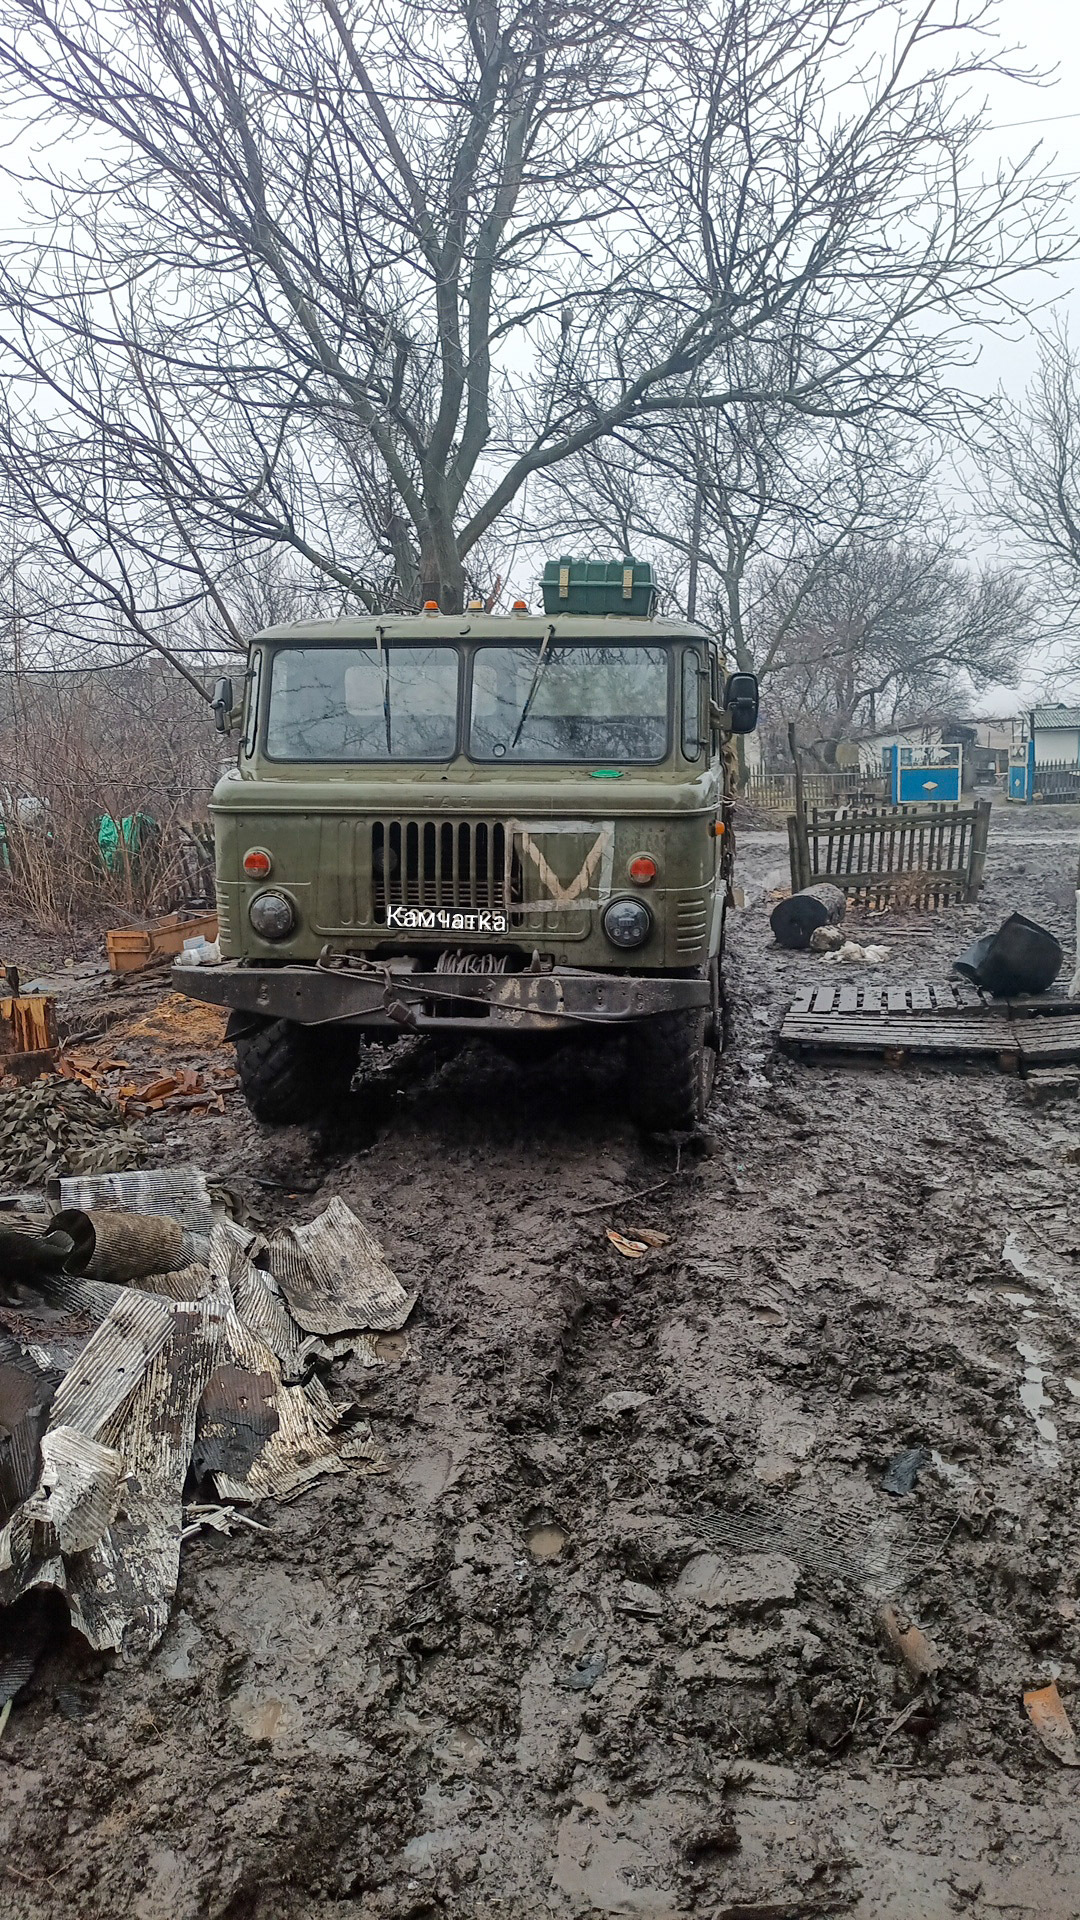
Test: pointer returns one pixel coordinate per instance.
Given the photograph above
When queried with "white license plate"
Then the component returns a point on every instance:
(447, 920)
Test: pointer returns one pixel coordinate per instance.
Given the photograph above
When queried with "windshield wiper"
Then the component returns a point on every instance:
(538, 674)
(385, 658)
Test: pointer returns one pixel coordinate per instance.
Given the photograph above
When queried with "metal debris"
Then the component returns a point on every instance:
(908, 1642)
(94, 1459)
(181, 1192)
(198, 1519)
(334, 1278)
(311, 1435)
(27, 1386)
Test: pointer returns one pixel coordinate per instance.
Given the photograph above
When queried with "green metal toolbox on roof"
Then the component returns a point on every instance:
(600, 586)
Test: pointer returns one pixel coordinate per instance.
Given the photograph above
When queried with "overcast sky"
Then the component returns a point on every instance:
(1049, 32)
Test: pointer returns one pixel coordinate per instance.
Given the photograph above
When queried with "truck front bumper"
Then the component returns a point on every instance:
(398, 997)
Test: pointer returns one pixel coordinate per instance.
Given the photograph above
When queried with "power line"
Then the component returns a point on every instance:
(1048, 120)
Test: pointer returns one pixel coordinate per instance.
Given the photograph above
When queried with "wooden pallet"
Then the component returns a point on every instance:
(924, 1018)
(876, 997)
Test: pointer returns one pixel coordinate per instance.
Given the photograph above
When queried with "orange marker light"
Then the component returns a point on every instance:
(257, 863)
(642, 870)
(719, 828)
(520, 606)
(431, 606)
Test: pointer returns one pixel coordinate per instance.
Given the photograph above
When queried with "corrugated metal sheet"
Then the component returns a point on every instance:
(187, 1283)
(182, 1192)
(120, 1592)
(27, 1386)
(112, 1363)
(334, 1277)
(160, 1384)
(237, 1416)
(311, 1436)
(27, 1625)
(257, 1300)
(77, 1495)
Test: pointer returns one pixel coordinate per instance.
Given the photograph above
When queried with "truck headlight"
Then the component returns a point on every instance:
(272, 916)
(627, 923)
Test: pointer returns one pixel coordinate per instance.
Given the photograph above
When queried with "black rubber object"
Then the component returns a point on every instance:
(289, 1073)
(671, 1066)
(1021, 957)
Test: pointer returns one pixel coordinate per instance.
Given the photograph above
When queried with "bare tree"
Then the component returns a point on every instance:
(1030, 458)
(890, 635)
(341, 282)
(736, 503)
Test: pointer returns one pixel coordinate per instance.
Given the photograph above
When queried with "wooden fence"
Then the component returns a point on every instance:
(916, 856)
(1057, 781)
(775, 792)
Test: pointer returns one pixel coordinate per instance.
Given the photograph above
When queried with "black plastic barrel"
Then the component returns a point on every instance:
(1021, 957)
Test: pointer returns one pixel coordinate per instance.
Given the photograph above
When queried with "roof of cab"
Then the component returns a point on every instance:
(484, 626)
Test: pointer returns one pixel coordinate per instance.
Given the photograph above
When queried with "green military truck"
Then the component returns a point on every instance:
(515, 828)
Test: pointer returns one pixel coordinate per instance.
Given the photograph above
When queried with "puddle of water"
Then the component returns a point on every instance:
(1034, 1397)
(950, 1469)
(1049, 1271)
(261, 1720)
(391, 1348)
(1073, 1386)
(546, 1541)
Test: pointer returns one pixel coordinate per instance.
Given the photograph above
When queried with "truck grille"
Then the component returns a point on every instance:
(224, 924)
(691, 924)
(442, 863)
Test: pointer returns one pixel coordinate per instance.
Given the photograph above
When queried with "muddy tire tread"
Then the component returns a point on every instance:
(666, 1073)
(288, 1074)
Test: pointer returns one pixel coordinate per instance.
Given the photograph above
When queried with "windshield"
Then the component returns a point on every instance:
(355, 703)
(567, 702)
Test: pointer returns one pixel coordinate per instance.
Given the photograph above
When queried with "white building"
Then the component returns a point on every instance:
(1057, 736)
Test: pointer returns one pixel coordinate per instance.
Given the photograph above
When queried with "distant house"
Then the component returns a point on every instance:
(1057, 735)
(873, 754)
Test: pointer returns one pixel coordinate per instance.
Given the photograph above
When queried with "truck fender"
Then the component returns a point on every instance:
(241, 1021)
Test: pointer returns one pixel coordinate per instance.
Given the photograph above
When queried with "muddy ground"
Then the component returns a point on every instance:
(605, 1638)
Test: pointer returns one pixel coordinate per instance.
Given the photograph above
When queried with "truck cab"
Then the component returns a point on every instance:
(509, 827)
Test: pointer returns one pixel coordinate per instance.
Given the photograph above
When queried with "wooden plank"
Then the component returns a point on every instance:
(965, 993)
(823, 999)
(897, 999)
(904, 1029)
(1049, 1040)
(847, 999)
(802, 1000)
(1048, 1005)
(995, 1039)
(921, 997)
(886, 817)
(870, 878)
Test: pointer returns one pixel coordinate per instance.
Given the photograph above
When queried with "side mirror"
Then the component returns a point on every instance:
(222, 704)
(741, 701)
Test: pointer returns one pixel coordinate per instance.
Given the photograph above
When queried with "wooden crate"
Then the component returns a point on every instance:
(131, 948)
(28, 1034)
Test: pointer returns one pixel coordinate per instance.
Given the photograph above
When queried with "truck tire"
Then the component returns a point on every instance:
(289, 1073)
(672, 1065)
